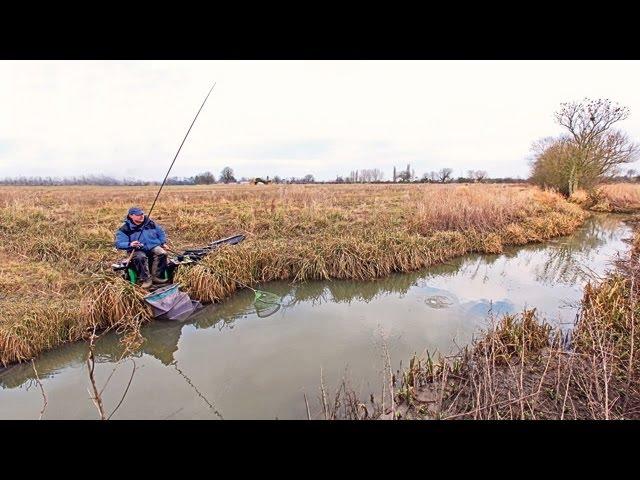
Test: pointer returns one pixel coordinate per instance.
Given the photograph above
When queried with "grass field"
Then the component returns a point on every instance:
(56, 243)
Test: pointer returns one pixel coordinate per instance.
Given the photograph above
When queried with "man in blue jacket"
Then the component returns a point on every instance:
(147, 239)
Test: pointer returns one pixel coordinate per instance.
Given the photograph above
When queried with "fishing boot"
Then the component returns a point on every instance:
(158, 264)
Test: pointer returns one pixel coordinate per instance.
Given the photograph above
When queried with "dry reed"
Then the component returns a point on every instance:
(54, 265)
(521, 368)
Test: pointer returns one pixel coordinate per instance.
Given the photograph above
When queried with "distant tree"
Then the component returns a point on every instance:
(206, 178)
(444, 175)
(370, 175)
(277, 179)
(181, 181)
(308, 179)
(404, 176)
(226, 175)
(479, 175)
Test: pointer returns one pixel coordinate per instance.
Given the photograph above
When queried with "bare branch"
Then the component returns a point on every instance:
(44, 395)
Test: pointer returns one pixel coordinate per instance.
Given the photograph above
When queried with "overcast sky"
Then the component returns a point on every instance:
(291, 118)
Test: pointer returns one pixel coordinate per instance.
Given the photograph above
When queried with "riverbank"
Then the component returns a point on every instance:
(522, 368)
(56, 245)
(610, 198)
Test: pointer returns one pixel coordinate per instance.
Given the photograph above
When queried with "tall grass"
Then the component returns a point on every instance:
(56, 243)
(618, 198)
(522, 368)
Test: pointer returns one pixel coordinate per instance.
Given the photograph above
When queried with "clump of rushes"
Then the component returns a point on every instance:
(522, 368)
(615, 198)
(619, 197)
(515, 336)
(37, 328)
(294, 232)
(112, 302)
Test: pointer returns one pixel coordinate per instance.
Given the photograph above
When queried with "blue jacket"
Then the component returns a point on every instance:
(152, 235)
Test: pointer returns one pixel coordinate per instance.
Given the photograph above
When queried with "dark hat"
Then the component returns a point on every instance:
(135, 211)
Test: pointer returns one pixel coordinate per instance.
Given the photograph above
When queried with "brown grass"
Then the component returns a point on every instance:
(56, 243)
(615, 198)
(521, 368)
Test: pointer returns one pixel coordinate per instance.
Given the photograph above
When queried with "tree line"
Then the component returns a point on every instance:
(590, 151)
(444, 175)
(227, 176)
(103, 180)
(205, 178)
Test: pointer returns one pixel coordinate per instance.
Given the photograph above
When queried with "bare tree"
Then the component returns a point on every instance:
(369, 175)
(206, 178)
(226, 175)
(479, 175)
(444, 175)
(404, 176)
(596, 149)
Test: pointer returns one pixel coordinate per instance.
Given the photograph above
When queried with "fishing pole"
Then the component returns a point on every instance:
(260, 296)
(167, 175)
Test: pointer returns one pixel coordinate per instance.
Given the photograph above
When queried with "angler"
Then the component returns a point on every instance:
(168, 302)
(145, 240)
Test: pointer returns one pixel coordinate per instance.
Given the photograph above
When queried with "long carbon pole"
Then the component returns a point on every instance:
(170, 167)
(179, 148)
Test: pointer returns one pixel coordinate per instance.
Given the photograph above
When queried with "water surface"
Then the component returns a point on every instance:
(230, 362)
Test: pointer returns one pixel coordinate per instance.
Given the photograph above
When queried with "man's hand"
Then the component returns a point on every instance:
(136, 244)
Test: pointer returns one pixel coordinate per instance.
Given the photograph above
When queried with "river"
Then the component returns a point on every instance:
(233, 362)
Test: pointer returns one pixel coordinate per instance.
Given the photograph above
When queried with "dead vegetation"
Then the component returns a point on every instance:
(56, 243)
(614, 198)
(522, 368)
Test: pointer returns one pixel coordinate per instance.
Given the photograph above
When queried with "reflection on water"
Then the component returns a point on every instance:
(230, 361)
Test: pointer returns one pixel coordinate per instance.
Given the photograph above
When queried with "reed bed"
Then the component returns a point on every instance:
(56, 243)
(522, 368)
(615, 198)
